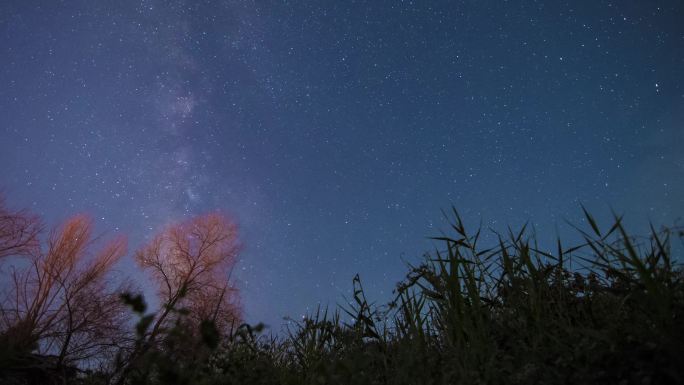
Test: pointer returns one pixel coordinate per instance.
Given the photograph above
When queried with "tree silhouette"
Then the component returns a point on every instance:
(60, 303)
(190, 263)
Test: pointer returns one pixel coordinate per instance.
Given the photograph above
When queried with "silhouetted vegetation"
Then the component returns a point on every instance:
(607, 311)
(62, 317)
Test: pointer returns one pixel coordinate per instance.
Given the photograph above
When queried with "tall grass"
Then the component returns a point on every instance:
(606, 311)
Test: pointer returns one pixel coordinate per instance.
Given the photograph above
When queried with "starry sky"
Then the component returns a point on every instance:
(334, 132)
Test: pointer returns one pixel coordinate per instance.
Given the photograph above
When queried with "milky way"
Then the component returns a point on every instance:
(335, 132)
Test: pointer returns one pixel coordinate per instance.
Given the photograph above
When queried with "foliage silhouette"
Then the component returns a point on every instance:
(606, 311)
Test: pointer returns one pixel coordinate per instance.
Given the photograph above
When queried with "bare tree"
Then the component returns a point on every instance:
(19, 231)
(190, 263)
(61, 303)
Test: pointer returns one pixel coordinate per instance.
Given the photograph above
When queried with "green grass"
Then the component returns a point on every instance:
(608, 311)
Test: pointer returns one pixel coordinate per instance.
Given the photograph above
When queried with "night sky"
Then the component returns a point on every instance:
(334, 132)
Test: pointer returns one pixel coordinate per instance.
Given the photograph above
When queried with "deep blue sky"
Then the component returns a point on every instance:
(336, 131)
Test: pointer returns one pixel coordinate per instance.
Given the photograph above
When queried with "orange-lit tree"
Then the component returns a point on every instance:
(190, 263)
(60, 302)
